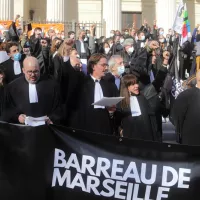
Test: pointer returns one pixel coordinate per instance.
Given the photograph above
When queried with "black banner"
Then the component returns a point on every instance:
(58, 163)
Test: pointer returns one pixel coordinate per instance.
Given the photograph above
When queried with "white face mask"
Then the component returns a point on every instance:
(107, 50)
(130, 50)
(161, 32)
(162, 40)
(88, 35)
(121, 40)
(120, 70)
(112, 34)
(143, 38)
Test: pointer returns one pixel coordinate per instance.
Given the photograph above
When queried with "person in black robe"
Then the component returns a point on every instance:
(12, 68)
(134, 112)
(186, 115)
(94, 118)
(70, 84)
(32, 96)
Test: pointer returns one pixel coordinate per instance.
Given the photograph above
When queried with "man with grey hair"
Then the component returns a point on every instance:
(32, 95)
(116, 70)
(128, 53)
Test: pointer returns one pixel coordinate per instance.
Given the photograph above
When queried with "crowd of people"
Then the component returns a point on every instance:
(61, 77)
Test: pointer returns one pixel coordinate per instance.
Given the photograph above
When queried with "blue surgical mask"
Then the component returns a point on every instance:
(121, 70)
(161, 32)
(17, 57)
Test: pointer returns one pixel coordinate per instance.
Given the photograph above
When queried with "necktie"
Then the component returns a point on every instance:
(98, 94)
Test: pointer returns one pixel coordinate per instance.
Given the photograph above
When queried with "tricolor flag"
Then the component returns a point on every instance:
(186, 26)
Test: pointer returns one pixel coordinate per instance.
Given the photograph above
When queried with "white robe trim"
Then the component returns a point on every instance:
(135, 107)
(33, 97)
(17, 68)
(3, 56)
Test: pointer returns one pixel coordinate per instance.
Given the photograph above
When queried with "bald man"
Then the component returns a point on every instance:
(32, 95)
(186, 114)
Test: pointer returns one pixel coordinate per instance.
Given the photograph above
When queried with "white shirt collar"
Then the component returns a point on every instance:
(94, 78)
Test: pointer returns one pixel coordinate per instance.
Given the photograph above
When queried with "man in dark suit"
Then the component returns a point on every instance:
(85, 49)
(116, 70)
(96, 118)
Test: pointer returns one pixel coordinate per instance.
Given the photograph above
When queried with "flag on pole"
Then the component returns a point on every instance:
(186, 26)
(178, 21)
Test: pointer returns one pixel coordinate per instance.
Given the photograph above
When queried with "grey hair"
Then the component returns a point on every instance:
(112, 61)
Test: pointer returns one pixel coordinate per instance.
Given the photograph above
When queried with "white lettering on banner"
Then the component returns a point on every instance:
(177, 88)
(113, 178)
(166, 172)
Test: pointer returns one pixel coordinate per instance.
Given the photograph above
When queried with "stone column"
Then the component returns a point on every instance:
(166, 11)
(112, 15)
(6, 9)
(55, 10)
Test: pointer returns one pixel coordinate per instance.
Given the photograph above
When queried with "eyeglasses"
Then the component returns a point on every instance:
(36, 72)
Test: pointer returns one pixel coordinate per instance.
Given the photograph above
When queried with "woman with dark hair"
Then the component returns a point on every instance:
(134, 111)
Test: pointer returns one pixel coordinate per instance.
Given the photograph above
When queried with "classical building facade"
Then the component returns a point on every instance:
(113, 14)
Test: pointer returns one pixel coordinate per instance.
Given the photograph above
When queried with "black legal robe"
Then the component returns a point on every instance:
(91, 119)
(17, 100)
(186, 115)
(70, 84)
(8, 69)
(137, 127)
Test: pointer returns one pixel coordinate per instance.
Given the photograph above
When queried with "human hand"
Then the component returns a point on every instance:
(43, 43)
(22, 118)
(145, 22)
(48, 121)
(112, 108)
(17, 17)
(92, 29)
(153, 44)
(166, 56)
(69, 41)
